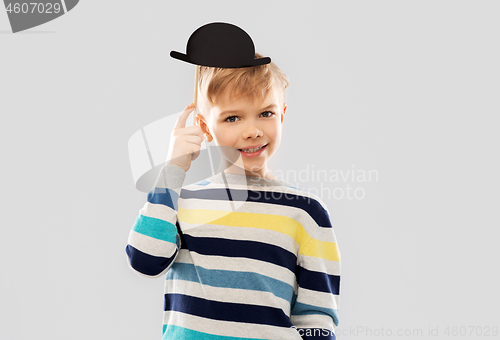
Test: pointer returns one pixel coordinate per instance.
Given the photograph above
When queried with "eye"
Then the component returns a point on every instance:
(232, 121)
(270, 113)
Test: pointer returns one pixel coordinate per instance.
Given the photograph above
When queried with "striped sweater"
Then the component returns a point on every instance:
(244, 257)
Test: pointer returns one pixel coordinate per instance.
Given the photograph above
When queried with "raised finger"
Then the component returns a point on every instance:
(182, 118)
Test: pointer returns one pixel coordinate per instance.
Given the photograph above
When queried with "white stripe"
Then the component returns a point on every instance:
(151, 245)
(229, 328)
(184, 256)
(237, 264)
(159, 211)
(223, 205)
(321, 265)
(313, 321)
(326, 234)
(64, 6)
(224, 294)
(320, 299)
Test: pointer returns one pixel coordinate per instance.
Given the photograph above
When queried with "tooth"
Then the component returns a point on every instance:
(252, 150)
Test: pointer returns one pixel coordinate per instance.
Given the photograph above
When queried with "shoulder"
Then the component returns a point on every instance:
(311, 202)
(322, 241)
(310, 209)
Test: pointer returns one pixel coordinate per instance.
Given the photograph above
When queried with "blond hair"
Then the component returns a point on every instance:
(255, 82)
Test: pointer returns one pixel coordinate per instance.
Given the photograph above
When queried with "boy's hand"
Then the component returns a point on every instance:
(185, 142)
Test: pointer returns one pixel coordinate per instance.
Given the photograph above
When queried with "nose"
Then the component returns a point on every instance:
(252, 130)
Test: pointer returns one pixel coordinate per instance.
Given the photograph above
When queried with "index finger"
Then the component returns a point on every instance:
(182, 118)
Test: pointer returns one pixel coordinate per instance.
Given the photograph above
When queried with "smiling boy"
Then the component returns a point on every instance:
(269, 269)
(242, 119)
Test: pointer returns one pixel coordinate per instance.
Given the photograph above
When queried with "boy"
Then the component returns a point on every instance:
(269, 269)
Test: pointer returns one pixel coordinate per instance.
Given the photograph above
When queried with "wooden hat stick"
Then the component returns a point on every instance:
(195, 101)
(195, 97)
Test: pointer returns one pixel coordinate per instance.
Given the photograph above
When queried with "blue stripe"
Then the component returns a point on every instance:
(308, 204)
(177, 332)
(306, 309)
(164, 196)
(226, 311)
(241, 248)
(230, 279)
(316, 334)
(156, 228)
(147, 264)
(319, 281)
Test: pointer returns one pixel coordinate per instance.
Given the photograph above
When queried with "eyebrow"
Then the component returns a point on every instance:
(236, 111)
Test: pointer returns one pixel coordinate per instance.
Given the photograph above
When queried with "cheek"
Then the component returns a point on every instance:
(224, 136)
(275, 132)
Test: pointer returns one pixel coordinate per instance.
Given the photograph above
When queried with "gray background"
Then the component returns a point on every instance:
(406, 88)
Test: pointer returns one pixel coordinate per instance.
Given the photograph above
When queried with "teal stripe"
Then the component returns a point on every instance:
(230, 279)
(156, 228)
(177, 332)
(305, 309)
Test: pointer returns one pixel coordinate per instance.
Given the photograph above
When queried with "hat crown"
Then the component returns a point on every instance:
(220, 44)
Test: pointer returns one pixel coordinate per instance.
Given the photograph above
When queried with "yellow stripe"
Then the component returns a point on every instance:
(321, 249)
(282, 224)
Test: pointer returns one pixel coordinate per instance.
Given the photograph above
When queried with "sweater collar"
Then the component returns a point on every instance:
(223, 178)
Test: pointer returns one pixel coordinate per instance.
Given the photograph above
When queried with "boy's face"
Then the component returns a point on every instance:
(237, 123)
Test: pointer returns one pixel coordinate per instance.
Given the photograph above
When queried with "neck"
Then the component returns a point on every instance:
(236, 170)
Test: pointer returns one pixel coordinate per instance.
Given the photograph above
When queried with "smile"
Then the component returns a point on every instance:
(253, 152)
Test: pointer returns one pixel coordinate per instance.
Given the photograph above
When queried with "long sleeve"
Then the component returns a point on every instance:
(154, 240)
(315, 310)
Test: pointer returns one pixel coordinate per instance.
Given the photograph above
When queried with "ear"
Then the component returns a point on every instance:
(200, 121)
(283, 113)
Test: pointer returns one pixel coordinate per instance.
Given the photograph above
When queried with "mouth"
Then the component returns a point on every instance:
(253, 149)
(253, 152)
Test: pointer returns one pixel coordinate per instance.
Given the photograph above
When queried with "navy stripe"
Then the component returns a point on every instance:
(316, 334)
(241, 248)
(164, 196)
(181, 236)
(319, 281)
(147, 264)
(308, 204)
(226, 311)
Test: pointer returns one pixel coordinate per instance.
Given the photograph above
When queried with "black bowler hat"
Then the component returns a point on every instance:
(219, 44)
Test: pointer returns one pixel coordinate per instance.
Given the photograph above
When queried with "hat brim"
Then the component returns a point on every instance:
(185, 57)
